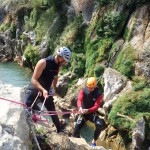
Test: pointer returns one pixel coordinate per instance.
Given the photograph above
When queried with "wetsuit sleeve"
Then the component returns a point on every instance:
(80, 99)
(97, 104)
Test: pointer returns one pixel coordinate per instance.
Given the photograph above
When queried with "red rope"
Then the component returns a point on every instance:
(36, 117)
(35, 100)
(49, 113)
(13, 101)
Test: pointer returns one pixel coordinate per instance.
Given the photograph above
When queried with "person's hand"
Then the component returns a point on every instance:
(40, 93)
(45, 94)
(85, 111)
(80, 110)
(52, 92)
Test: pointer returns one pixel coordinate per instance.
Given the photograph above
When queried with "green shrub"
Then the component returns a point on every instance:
(44, 22)
(40, 3)
(103, 2)
(98, 70)
(13, 30)
(78, 64)
(134, 105)
(57, 4)
(100, 36)
(139, 83)
(73, 36)
(90, 64)
(4, 27)
(125, 61)
(32, 55)
(109, 25)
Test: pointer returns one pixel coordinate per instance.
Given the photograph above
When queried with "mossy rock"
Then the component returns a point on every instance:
(125, 62)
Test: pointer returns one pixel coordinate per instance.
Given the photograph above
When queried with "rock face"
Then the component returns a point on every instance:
(2, 12)
(62, 84)
(114, 84)
(139, 30)
(138, 25)
(143, 66)
(14, 131)
(85, 7)
(7, 46)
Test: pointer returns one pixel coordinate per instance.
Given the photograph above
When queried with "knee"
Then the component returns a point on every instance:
(99, 124)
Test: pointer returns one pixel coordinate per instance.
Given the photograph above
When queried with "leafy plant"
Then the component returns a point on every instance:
(139, 83)
(4, 27)
(31, 54)
(109, 24)
(78, 64)
(134, 105)
(44, 22)
(98, 70)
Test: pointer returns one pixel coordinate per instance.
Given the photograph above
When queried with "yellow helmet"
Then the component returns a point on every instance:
(91, 82)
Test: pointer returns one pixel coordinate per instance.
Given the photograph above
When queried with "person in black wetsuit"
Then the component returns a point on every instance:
(46, 75)
(89, 100)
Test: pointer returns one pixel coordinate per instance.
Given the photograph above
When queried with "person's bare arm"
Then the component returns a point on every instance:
(55, 82)
(40, 66)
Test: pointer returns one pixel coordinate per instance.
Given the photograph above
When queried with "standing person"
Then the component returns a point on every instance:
(88, 102)
(46, 74)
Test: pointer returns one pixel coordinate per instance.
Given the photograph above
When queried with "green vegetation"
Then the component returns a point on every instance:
(135, 105)
(9, 25)
(125, 61)
(13, 30)
(139, 83)
(31, 54)
(100, 36)
(98, 70)
(44, 22)
(78, 64)
(4, 27)
(40, 3)
(128, 33)
(40, 21)
(46, 3)
(73, 37)
(109, 25)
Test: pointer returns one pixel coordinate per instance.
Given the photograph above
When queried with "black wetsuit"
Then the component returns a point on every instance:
(88, 101)
(46, 78)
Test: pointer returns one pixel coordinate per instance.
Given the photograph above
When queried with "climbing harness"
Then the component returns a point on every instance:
(35, 116)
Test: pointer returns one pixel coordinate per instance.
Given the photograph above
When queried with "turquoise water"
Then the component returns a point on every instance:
(12, 73)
